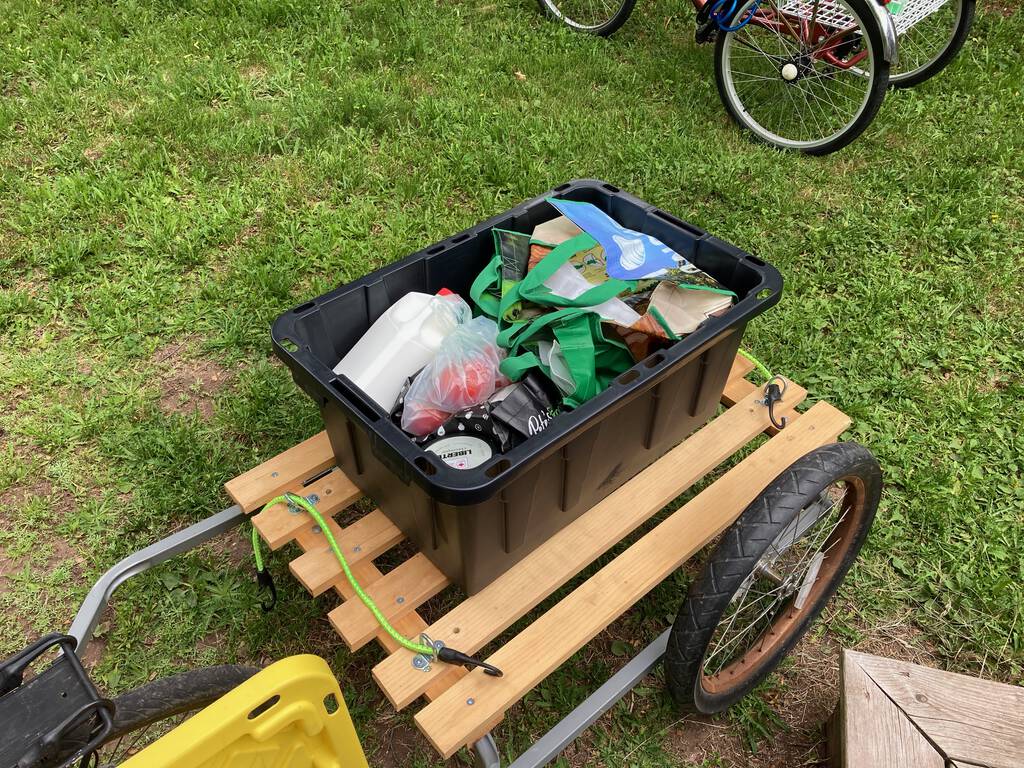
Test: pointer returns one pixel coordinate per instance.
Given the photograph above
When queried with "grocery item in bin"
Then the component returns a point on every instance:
(463, 373)
(630, 255)
(427, 418)
(401, 341)
(527, 406)
(674, 310)
(468, 438)
(549, 234)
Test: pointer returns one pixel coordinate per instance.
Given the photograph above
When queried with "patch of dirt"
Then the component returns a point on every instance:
(188, 384)
(1002, 7)
(238, 549)
(400, 742)
(254, 72)
(96, 151)
(97, 644)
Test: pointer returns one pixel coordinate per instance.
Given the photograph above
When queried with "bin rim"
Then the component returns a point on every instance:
(445, 484)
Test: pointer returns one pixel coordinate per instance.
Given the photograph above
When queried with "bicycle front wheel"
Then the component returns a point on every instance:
(596, 17)
(931, 34)
(807, 75)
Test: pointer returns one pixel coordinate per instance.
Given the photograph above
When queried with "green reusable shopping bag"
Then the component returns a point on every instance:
(593, 359)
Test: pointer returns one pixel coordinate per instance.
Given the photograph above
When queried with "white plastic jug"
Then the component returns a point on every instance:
(400, 342)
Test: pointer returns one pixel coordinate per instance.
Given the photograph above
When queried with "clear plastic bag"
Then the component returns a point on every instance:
(464, 373)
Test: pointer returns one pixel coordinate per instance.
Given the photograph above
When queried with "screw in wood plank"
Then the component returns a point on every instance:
(274, 474)
(357, 548)
(471, 702)
(399, 599)
(421, 662)
(315, 529)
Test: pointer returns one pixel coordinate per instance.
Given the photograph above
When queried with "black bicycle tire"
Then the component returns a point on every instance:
(174, 695)
(954, 46)
(735, 557)
(874, 102)
(604, 30)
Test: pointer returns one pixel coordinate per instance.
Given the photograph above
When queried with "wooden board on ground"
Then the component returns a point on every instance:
(895, 713)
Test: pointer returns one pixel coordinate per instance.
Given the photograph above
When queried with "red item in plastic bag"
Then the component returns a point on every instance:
(423, 421)
(464, 373)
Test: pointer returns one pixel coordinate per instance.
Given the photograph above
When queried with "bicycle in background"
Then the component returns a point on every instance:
(808, 75)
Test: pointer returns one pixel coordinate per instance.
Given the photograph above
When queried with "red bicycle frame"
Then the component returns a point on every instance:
(828, 40)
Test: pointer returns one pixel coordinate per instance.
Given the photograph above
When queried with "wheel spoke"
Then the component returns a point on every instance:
(927, 39)
(779, 84)
(586, 15)
(804, 544)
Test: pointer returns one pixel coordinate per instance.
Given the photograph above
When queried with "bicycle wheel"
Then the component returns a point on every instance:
(144, 714)
(770, 576)
(596, 17)
(808, 75)
(926, 47)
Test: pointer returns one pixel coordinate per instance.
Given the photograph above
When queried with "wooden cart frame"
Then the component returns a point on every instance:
(464, 707)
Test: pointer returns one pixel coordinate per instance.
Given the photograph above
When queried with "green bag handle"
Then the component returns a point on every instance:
(479, 291)
(592, 359)
(532, 287)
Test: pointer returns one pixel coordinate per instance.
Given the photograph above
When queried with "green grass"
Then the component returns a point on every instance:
(180, 173)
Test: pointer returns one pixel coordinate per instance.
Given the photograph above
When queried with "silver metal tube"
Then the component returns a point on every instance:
(183, 541)
(551, 744)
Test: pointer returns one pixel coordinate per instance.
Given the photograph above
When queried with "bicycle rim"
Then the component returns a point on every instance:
(782, 85)
(926, 42)
(584, 15)
(797, 568)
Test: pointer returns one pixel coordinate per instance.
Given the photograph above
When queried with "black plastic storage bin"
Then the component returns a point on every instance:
(475, 524)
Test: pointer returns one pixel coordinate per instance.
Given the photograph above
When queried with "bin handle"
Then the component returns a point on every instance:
(355, 398)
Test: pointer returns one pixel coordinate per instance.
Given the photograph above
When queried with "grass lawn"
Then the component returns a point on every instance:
(175, 174)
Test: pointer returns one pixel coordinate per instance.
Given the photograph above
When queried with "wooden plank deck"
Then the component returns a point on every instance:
(893, 713)
(448, 722)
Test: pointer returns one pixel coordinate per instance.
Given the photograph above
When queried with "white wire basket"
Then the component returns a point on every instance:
(905, 13)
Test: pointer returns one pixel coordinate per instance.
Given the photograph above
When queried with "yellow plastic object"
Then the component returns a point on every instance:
(276, 719)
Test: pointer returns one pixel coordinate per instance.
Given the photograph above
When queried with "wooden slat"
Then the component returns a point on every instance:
(449, 721)
(368, 537)
(738, 389)
(872, 732)
(402, 590)
(278, 525)
(254, 488)
(966, 718)
(479, 619)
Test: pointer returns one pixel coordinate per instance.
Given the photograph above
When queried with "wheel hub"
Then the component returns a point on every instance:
(795, 68)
